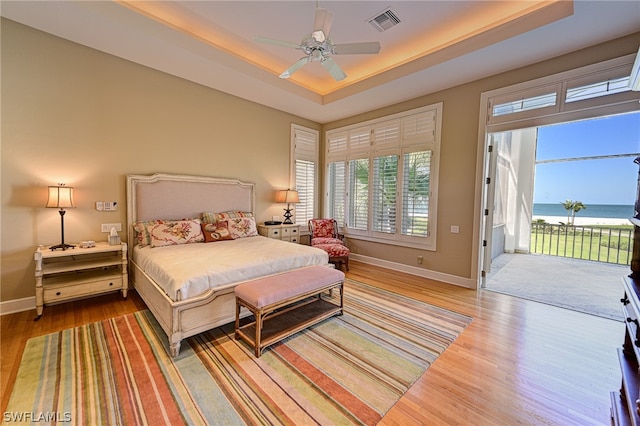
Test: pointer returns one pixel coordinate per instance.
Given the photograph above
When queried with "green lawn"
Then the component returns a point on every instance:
(610, 244)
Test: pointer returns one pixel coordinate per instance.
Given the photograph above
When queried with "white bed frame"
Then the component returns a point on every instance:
(167, 196)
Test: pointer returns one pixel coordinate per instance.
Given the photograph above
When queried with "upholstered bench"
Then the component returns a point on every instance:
(287, 303)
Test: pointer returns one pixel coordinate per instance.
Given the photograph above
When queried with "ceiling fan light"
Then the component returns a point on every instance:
(319, 36)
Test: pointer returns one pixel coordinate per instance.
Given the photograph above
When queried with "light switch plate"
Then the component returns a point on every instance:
(106, 227)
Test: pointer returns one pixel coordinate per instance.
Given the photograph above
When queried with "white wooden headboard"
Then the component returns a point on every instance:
(169, 196)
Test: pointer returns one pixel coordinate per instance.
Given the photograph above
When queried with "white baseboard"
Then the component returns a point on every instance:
(17, 305)
(424, 273)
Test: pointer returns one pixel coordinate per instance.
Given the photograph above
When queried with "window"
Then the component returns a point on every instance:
(563, 97)
(358, 200)
(382, 178)
(385, 185)
(415, 193)
(525, 104)
(594, 90)
(305, 159)
(336, 200)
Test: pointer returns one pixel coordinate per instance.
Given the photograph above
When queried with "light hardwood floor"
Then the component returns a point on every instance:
(518, 362)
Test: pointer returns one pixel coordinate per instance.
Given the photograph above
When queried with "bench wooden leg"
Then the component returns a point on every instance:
(258, 315)
(236, 335)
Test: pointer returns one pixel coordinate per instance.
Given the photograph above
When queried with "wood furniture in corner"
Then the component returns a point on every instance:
(625, 404)
(282, 232)
(63, 275)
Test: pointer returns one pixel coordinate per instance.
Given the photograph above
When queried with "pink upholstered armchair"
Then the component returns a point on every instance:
(323, 234)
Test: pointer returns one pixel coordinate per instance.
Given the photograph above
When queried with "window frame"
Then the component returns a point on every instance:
(398, 134)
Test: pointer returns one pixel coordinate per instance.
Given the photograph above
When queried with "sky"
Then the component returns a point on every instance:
(606, 181)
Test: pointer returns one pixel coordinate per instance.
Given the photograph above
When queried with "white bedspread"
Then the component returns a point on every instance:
(187, 270)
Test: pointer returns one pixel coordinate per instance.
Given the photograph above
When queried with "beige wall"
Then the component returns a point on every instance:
(75, 115)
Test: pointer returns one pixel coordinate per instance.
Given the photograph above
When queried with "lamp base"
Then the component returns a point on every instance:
(62, 246)
(287, 217)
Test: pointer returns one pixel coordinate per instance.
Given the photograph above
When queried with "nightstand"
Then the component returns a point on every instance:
(282, 232)
(63, 275)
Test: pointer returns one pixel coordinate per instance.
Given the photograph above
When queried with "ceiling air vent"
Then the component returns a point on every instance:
(384, 20)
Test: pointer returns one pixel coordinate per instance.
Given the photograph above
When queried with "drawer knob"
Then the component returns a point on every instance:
(110, 283)
(635, 321)
(58, 293)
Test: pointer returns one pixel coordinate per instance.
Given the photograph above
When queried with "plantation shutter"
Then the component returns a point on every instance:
(419, 128)
(336, 196)
(337, 143)
(386, 133)
(415, 193)
(385, 185)
(358, 193)
(379, 178)
(360, 139)
(305, 164)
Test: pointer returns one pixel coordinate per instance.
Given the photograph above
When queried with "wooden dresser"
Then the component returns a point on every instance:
(625, 403)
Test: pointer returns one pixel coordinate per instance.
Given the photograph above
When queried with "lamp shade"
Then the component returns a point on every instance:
(287, 196)
(60, 197)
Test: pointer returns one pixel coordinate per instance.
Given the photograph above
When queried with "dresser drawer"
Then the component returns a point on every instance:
(54, 293)
(288, 233)
(274, 233)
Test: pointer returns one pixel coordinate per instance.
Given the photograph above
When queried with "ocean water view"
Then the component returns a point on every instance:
(612, 211)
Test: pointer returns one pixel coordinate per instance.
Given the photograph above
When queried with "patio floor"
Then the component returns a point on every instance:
(581, 285)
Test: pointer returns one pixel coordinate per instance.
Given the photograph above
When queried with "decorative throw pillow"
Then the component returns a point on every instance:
(175, 232)
(216, 231)
(323, 228)
(242, 227)
(143, 238)
(210, 217)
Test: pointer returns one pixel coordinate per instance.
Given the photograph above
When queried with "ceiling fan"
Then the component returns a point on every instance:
(318, 47)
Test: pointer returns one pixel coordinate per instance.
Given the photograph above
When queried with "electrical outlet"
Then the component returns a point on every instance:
(455, 229)
(106, 227)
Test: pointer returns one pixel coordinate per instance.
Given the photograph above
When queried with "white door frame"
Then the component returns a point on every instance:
(607, 104)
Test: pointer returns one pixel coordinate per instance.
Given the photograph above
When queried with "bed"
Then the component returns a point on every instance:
(189, 288)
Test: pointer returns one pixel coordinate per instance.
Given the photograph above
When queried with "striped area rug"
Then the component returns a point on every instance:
(345, 370)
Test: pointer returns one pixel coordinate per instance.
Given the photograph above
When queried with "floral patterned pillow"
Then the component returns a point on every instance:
(143, 238)
(323, 228)
(242, 227)
(216, 231)
(175, 232)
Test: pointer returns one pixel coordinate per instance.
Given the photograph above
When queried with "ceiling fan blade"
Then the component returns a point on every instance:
(369, 47)
(276, 42)
(336, 72)
(322, 24)
(295, 67)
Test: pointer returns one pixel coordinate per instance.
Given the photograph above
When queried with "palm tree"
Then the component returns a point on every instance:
(577, 206)
(572, 207)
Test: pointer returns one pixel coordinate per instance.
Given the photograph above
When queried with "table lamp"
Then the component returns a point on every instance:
(289, 196)
(61, 197)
